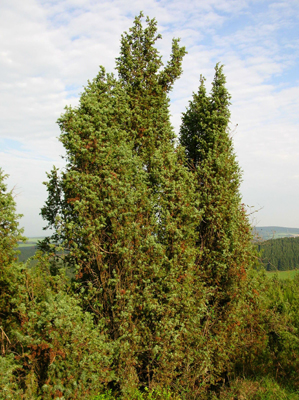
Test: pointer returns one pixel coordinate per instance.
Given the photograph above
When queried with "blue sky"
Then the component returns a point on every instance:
(49, 49)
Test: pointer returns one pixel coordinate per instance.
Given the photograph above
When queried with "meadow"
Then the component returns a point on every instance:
(30, 242)
(283, 274)
(27, 249)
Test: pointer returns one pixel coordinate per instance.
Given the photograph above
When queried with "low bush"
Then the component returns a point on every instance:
(155, 394)
(55, 351)
(264, 389)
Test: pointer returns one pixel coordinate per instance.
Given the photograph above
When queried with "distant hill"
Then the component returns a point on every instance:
(274, 232)
(26, 252)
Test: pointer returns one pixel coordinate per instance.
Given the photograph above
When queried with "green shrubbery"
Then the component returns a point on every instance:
(58, 351)
(146, 394)
(265, 388)
(282, 354)
(161, 299)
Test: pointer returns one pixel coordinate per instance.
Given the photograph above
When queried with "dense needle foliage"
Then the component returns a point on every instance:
(160, 299)
(124, 209)
(223, 233)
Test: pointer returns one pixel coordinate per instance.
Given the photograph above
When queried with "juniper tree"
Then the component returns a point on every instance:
(10, 235)
(169, 187)
(224, 232)
(124, 209)
(57, 347)
(10, 278)
(147, 85)
(47, 343)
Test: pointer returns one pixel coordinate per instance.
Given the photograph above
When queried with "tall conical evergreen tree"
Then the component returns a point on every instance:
(100, 210)
(224, 233)
(170, 189)
(10, 235)
(124, 209)
(140, 70)
(147, 85)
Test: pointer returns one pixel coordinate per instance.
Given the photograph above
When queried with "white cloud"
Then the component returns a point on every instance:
(49, 49)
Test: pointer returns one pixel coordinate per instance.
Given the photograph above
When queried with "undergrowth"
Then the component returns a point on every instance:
(265, 388)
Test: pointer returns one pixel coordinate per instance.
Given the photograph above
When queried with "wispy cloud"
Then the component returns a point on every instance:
(49, 49)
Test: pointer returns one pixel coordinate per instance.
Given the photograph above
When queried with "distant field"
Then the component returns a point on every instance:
(28, 248)
(26, 252)
(284, 274)
(30, 242)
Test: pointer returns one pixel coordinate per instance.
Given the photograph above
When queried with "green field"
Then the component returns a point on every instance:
(26, 252)
(284, 274)
(28, 248)
(32, 241)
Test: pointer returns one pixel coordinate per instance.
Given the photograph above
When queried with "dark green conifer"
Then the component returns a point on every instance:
(10, 235)
(223, 233)
(124, 208)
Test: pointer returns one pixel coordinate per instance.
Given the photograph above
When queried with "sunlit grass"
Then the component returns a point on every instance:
(284, 274)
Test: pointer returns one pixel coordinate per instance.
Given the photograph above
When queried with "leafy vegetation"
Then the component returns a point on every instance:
(148, 288)
(223, 232)
(259, 389)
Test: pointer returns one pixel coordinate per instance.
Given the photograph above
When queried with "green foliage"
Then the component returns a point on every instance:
(49, 345)
(124, 209)
(281, 358)
(147, 394)
(277, 356)
(140, 71)
(257, 389)
(57, 349)
(164, 302)
(223, 234)
(8, 384)
(10, 234)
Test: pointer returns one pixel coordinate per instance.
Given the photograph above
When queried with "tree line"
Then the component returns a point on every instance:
(164, 299)
(280, 254)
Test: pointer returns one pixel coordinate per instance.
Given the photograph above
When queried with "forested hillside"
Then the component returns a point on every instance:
(280, 254)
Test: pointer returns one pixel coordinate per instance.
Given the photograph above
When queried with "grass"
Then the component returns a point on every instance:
(261, 389)
(147, 395)
(284, 274)
(30, 242)
(265, 388)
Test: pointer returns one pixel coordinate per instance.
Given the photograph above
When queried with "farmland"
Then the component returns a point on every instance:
(283, 274)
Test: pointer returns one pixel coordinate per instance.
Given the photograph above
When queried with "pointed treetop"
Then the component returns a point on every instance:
(140, 63)
(220, 95)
